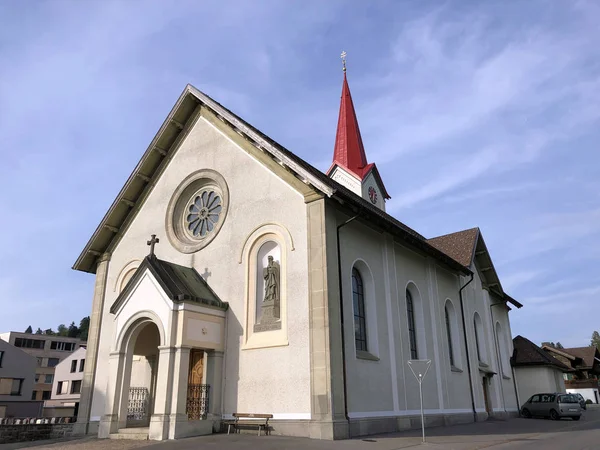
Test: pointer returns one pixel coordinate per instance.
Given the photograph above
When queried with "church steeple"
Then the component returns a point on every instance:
(350, 167)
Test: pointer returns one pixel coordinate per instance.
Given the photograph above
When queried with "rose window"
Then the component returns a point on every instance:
(203, 213)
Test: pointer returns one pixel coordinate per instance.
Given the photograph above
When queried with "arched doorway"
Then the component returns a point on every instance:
(143, 358)
(139, 360)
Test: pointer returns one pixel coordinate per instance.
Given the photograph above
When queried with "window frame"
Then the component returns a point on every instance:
(53, 359)
(46, 375)
(73, 366)
(1, 357)
(412, 328)
(75, 383)
(358, 302)
(59, 388)
(49, 395)
(449, 337)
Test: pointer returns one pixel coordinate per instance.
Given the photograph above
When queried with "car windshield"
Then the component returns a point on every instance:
(567, 399)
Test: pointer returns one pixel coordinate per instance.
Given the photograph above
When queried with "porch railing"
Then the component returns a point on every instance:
(197, 401)
(138, 404)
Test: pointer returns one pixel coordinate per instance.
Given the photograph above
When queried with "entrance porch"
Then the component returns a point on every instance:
(165, 369)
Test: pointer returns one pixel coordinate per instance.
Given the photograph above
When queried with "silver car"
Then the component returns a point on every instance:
(555, 406)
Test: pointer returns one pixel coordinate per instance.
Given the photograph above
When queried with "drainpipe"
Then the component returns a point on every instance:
(498, 358)
(340, 284)
(462, 311)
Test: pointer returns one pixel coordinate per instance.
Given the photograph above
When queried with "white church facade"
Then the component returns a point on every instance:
(271, 287)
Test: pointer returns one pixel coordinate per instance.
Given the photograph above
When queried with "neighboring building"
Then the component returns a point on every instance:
(17, 372)
(48, 351)
(585, 365)
(278, 289)
(536, 370)
(68, 376)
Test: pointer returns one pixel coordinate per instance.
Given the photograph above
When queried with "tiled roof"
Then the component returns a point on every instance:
(587, 354)
(526, 353)
(460, 246)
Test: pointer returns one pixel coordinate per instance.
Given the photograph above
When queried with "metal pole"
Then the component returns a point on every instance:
(421, 396)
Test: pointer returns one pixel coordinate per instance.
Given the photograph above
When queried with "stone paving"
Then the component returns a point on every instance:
(514, 434)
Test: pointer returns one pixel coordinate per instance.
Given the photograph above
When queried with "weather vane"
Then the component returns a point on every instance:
(343, 56)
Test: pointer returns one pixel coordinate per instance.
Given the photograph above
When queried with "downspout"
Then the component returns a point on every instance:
(498, 358)
(340, 283)
(462, 311)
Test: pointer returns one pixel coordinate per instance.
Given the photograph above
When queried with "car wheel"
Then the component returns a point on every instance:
(576, 417)
(526, 413)
(554, 415)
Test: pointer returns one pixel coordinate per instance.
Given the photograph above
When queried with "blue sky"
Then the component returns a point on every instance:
(477, 113)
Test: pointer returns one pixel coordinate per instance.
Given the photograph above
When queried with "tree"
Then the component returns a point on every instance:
(39, 331)
(29, 330)
(62, 330)
(73, 330)
(595, 342)
(49, 332)
(84, 327)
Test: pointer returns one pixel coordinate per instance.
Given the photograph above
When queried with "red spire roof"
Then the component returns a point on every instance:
(349, 151)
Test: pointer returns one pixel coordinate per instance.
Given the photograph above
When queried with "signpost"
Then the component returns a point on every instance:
(419, 368)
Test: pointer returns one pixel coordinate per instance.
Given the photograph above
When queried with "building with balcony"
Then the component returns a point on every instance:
(49, 351)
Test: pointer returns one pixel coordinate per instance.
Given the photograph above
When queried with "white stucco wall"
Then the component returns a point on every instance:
(533, 380)
(63, 373)
(253, 378)
(588, 393)
(385, 386)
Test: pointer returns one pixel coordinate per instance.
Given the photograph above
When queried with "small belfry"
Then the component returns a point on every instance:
(350, 167)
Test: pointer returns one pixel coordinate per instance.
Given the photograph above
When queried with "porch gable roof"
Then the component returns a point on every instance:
(180, 284)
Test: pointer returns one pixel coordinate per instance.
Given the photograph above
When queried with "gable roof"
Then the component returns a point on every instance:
(587, 354)
(460, 246)
(180, 283)
(467, 247)
(165, 143)
(526, 353)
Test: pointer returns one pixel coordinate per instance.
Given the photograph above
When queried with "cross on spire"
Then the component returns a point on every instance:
(343, 56)
(153, 240)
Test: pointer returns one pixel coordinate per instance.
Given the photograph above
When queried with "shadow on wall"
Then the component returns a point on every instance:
(231, 369)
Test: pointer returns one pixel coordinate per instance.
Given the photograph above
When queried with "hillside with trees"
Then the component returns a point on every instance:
(72, 330)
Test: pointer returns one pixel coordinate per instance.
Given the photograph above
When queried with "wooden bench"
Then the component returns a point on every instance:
(259, 420)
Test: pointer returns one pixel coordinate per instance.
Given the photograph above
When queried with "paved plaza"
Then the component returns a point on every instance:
(514, 434)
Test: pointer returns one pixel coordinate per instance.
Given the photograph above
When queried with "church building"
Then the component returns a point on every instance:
(234, 277)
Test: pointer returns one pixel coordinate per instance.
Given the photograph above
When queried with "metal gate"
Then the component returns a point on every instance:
(197, 401)
(138, 405)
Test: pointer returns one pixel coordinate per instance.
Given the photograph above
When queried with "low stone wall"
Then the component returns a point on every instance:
(34, 432)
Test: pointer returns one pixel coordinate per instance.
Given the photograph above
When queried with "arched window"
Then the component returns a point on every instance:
(449, 336)
(478, 327)
(412, 330)
(358, 300)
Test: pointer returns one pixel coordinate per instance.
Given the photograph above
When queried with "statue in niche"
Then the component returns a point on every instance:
(271, 277)
(270, 309)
